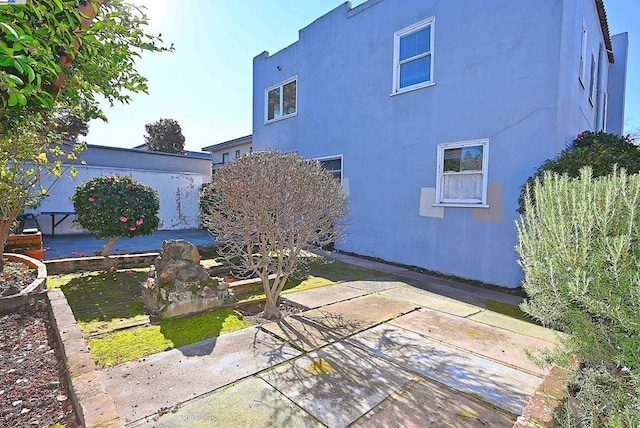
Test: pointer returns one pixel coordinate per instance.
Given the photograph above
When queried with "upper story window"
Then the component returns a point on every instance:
(593, 78)
(281, 100)
(225, 157)
(333, 165)
(583, 55)
(237, 154)
(462, 173)
(413, 56)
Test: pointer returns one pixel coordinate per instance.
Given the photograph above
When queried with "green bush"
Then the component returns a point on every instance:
(580, 251)
(599, 150)
(116, 206)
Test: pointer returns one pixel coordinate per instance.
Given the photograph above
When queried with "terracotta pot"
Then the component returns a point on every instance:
(35, 253)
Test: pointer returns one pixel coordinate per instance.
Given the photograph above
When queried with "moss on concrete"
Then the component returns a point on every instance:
(506, 309)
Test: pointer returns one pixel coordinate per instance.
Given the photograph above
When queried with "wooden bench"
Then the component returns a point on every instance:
(53, 214)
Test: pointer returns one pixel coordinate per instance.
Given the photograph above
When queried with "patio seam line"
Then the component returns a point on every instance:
(434, 341)
(422, 377)
(339, 339)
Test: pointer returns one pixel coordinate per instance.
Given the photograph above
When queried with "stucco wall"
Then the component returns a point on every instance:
(496, 72)
(177, 190)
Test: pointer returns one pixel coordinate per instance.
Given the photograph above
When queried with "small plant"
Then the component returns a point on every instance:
(580, 252)
(599, 150)
(116, 206)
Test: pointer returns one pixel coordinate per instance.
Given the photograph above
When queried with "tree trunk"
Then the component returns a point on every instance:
(270, 311)
(107, 247)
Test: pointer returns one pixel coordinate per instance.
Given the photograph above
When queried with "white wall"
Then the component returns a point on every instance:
(178, 193)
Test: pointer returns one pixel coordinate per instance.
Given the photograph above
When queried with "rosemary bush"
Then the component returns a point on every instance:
(580, 252)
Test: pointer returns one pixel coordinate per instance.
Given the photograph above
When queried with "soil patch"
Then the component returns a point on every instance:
(16, 277)
(33, 392)
(252, 312)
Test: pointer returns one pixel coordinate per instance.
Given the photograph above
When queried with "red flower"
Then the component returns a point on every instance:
(73, 253)
(113, 268)
(123, 219)
(108, 178)
(83, 254)
(139, 222)
(579, 135)
(132, 228)
(92, 199)
(128, 272)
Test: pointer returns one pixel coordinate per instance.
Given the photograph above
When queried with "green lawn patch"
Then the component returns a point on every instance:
(134, 343)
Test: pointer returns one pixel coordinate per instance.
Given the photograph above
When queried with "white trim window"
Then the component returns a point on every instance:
(583, 55)
(333, 164)
(462, 173)
(237, 153)
(413, 56)
(225, 157)
(593, 82)
(281, 100)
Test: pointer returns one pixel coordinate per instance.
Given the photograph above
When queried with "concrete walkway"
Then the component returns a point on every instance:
(372, 353)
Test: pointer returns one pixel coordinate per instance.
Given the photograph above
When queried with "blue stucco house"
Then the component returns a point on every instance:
(434, 113)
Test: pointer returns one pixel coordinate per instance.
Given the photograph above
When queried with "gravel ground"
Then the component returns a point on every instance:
(15, 277)
(32, 388)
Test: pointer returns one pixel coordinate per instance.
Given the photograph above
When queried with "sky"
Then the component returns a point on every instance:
(206, 83)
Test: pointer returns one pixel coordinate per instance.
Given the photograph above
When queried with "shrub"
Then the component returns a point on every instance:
(599, 150)
(266, 208)
(116, 206)
(580, 251)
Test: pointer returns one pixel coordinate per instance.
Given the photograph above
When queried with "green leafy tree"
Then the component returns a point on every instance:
(599, 150)
(580, 250)
(56, 56)
(165, 135)
(116, 206)
(266, 208)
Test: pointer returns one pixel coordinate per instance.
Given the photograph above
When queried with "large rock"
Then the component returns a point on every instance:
(179, 285)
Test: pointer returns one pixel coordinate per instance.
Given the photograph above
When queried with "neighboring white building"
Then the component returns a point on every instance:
(177, 179)
(229, 151)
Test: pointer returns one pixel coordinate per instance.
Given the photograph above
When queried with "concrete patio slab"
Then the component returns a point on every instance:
(494, 343)
(499, 385)
(337, 384)
(140, 388)
(375, 285)
(318, 327)
(364, 311)
(503, 321)
(308, 334)
(249, 403)
(429, 404)
(433, 301)
(321, 296)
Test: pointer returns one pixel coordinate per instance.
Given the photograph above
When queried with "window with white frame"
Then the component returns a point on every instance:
(413, 56)
(281, 100)
(332, 164)
(225, 157)
(237, 154)
(583, 55)
(594, 81)
(462, 173)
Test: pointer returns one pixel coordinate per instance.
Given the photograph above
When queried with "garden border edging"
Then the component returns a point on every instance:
(544, 404)
(7, 303)
(93, 405)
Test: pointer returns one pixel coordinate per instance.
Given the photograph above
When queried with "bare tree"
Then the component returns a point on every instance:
(266, 209)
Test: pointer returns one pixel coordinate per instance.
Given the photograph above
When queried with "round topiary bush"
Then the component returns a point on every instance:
(599, 150)
(116, 206)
